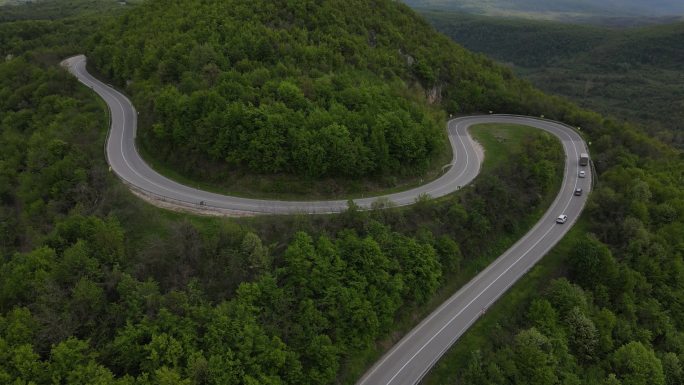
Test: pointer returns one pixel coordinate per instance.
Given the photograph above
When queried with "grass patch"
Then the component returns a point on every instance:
(143, 221)
(500, 140)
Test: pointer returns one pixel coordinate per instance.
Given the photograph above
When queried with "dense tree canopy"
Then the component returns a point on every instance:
(315, 88)
(615, 315)
(97, 287)
(631, 73)
(92, 292)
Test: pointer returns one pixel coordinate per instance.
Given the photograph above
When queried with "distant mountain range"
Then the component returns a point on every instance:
(632, 73)
(558, 8)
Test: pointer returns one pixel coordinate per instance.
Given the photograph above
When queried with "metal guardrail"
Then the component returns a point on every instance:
(195, 206)
(206, 207)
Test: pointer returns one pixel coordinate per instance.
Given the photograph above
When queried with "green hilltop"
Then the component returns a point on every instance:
(331, 88)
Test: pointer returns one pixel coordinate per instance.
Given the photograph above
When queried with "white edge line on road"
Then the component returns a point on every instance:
(508, 285)
(551, 128)
(477, 278)
(543, 237)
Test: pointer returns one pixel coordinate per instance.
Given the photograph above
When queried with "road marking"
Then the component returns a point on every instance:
(190, 194)
(457, 128)
(553, 128)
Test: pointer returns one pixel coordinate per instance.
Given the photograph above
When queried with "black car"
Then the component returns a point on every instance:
(578, 191)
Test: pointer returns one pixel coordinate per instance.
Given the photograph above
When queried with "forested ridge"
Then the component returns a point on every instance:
(96, 287)
(633, 74)
(611, 311)
(560, 10)
(608, 309)
(331, 88)
(58, 10)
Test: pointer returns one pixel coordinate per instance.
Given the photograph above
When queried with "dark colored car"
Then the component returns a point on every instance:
(578, 191)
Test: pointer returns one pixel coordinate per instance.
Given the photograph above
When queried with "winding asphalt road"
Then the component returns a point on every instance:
(409, 360)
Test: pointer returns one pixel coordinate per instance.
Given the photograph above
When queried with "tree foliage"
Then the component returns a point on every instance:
(614, 315)
(98, 288)
(628, 72)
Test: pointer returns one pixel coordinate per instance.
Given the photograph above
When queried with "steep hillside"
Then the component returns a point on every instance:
(633, 74)
(530, 43)
(13, 10)
(331, 88)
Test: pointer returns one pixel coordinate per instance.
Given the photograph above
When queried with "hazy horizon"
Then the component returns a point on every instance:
(617, 8)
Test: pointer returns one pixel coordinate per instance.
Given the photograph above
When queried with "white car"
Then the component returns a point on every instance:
(562, 219)
(582, 174)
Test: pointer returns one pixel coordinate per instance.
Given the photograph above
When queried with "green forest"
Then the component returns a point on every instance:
(610, 311)
(97, 287)
(304, 89)
(86, 298)
(631, 74)
(312, 89)
(607, 309)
